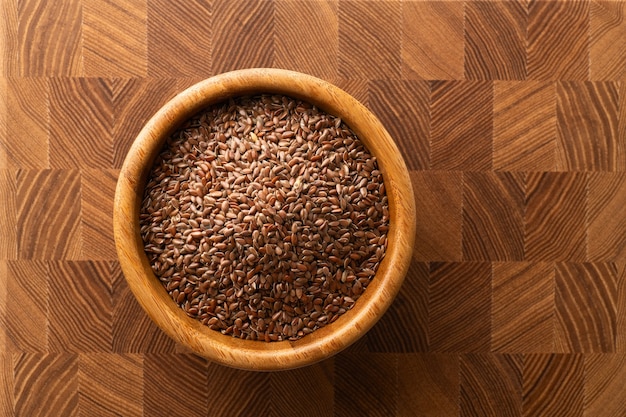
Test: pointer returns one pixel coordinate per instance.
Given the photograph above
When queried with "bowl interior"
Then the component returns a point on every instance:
(228, 350)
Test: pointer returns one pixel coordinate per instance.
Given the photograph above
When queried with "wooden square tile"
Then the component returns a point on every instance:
(312, 50)
(439, 202)
(404, 327)
(80, 306)
(179, 38)
(586, 307)
(9, 55)
(26, 315)
(461, 121)
(50, 38)
(555, 216)
(428, 385)
(6, 384)
(524, 126)
(133, 331)
(493, 216)
(114, 38)
(166, 376)
(491, 385)
(81, 123)
(403, 108)
(242, 393)
(314, 395)
(110, 384)
(587, 127)
(548, 59)
(607, 33)
(97, 194)
(604, 385)
(553, 385)
(369, 39)
(432, 40)
(459, 307)
(26, 141)
(135, 101)
(242, 40)
(366, 385)
(48, 214)
(495, 40)
(45, 385)
(522, 307)
(8, 214)
(606, 230)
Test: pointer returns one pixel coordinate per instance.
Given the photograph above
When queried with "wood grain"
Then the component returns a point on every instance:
(547, 58)
(134, 102)
(432, 40)
(495, 40)
(439, 204)
(604, 382)
(360, 36)
(295, 47)
(241, 392)
(586, 304)
(45, 384)
(587, 127)
(6, 384)
(242, 40)
(50, 38)
(8, 214)
(4, 310)
(110, 385)
(607, 35)
(493, 205)
(184, 28)
(491, 385)
(459, 307)
(402, 107)
(114, 38)
(555, 216)
(606, 232)
(44, 213)
(97, 192)
(26, 318)
(80, 303)
(461, 125)
(26, 141)
(167, 376)
(428, 385)
(9, 52)
(523, 307)
(133, 331)
(371, 377)
(553, 385)
(83, 108)
(314, 392)
(524, 126)
(404, 327)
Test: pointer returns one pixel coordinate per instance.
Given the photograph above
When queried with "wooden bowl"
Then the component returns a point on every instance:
(232, 351)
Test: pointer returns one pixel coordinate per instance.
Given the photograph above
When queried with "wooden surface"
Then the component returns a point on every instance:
(512, 117)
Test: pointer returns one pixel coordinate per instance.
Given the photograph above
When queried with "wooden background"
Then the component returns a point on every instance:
(512, 117)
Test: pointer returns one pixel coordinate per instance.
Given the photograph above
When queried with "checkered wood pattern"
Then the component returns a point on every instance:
(512, 119)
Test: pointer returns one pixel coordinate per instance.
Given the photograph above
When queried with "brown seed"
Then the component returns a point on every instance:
(265, 218)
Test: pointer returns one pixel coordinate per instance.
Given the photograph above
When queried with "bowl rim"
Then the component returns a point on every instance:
(229, 350)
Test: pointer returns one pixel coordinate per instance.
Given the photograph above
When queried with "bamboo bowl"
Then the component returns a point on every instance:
(228, 350)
